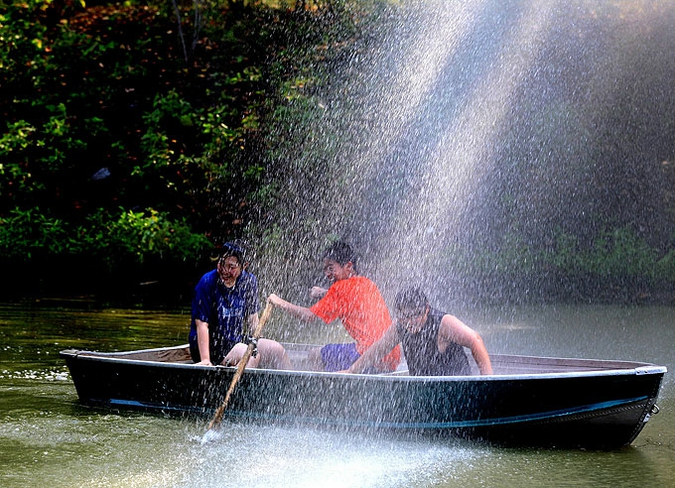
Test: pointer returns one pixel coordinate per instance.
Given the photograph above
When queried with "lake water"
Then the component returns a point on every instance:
(48, 439)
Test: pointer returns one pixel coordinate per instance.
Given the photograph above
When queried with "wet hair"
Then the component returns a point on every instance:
(411, 299)
(232, 249)
(247, 251)
(340, 252)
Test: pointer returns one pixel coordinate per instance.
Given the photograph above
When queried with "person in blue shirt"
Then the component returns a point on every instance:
(225, 303)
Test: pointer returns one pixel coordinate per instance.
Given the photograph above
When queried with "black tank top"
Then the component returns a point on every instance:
(422, 355)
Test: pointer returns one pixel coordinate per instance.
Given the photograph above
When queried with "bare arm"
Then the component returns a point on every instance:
(454, 330)
(203, 342)
(251, 323)
(303, 313)
(376, 352)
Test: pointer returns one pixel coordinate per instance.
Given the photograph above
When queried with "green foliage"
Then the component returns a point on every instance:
(103, 115)
(27, 233)
(616, 255)
(203, 120)
(617, 263)
(141, 235)
(621, 253)
(35, 156)
(665, 268)
(114, 238)
(107, 90)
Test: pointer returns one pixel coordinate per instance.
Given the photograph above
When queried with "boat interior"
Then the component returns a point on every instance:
(502, 364)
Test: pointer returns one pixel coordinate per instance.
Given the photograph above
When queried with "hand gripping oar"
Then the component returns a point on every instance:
(241, 366)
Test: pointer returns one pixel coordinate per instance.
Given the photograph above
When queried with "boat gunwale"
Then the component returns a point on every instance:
(631, 368)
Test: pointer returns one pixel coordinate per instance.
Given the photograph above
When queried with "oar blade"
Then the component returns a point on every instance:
(211, 435)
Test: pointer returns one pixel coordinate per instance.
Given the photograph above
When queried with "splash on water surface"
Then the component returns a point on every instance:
(276, 456)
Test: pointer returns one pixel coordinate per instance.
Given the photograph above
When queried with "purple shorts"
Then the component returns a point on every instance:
(338, 357)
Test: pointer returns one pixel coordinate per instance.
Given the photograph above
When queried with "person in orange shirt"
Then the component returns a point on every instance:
(357, 302)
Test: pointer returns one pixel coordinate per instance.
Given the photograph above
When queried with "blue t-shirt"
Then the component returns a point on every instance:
(225, 310)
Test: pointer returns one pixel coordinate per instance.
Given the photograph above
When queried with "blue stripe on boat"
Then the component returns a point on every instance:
(552, 414)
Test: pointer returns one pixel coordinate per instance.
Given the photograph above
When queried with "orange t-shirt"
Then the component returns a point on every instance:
(358, 303)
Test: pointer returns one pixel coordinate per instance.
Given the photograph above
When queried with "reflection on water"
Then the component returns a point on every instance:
(47, 438)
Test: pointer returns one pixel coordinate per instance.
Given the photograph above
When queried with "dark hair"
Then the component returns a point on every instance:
(232, 249)
(340, 252)
(411, 299)
(247, 251)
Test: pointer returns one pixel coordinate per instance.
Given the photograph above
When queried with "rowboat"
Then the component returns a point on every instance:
(529, 400)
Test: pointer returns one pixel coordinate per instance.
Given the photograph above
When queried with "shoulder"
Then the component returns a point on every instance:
(247, 284)
(453, 328)
(446, 318)
(208, 279)
(248, 278)
(448, 323)
(351, 286)
(361, 283)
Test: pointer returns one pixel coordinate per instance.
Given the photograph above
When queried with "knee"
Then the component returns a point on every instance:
(275, 355)
(274, 351)
(277, 349)
(235, 355)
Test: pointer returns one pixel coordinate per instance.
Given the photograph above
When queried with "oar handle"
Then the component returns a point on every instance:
(241, 366)
(264, 316)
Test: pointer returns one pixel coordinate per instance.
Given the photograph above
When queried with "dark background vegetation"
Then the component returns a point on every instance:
(136, 138)
(131, 141)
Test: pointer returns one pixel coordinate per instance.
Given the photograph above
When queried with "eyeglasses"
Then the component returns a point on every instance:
(228, 266)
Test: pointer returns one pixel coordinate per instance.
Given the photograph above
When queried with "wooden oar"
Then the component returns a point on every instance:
(241, 366)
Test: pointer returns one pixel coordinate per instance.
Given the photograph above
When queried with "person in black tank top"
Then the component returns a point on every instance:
(433, 342)
(422, 354)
